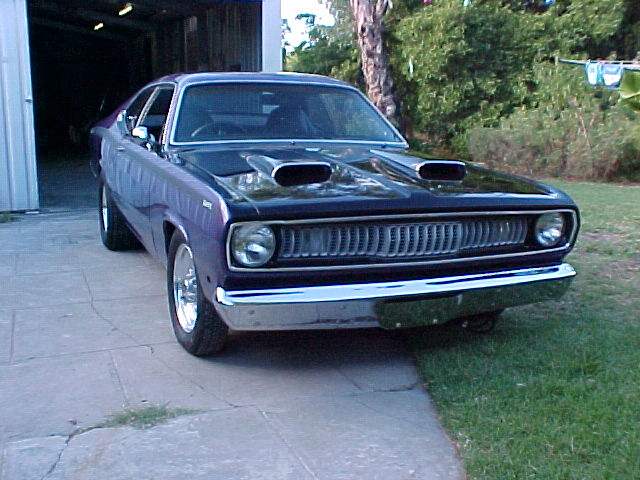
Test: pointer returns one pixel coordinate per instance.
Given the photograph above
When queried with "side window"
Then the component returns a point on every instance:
(352, 117)
(319, 117)
(155, 114)
(135, 108)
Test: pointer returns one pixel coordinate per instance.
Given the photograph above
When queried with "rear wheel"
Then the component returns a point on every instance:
(114, 232)
(197, 326)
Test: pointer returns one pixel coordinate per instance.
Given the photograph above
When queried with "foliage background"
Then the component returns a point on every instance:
(483, 81)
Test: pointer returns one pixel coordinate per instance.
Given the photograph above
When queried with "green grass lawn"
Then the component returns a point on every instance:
(554, 391)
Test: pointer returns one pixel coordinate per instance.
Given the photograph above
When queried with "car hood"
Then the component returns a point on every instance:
(362, 181)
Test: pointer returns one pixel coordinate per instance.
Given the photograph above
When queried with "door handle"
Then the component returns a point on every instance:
(120, 149)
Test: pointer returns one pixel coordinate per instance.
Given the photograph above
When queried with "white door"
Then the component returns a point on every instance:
(18, 174)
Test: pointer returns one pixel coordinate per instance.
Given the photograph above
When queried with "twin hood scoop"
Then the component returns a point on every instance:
(441, 170)
(431, 170)
(301, 172)
(290, 173)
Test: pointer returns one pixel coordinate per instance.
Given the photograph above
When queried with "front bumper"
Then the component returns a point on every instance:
(390, 304)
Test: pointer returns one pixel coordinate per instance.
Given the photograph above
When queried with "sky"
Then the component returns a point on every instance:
(291, 8)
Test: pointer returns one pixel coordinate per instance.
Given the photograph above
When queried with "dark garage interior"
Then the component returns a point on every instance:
(87, 57)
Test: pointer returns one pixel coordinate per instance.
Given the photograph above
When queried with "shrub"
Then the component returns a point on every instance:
(459, 67)
(582, 140)
(612, 152)
(482, 81)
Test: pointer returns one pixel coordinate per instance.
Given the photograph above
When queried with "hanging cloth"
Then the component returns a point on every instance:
(592, 70)
(611, 75)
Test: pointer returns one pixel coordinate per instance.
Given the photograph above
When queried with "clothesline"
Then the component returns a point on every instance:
(620, 74)
(607, 73)
(626, 64)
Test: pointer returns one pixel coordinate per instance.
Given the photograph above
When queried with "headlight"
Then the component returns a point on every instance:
(549, 229)
(253, 245)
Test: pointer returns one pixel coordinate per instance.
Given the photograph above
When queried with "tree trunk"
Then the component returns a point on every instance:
(375, 62)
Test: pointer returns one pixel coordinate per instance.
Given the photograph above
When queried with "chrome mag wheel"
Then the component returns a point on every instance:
(104, 208)
(195, 322)
(185, 288)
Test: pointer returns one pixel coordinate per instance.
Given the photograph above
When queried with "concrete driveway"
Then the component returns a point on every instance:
(85, 333)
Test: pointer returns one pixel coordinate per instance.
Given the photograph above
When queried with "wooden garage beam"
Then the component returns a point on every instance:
(92, 16)
(183, 9)
(65, 27)
(115, 20)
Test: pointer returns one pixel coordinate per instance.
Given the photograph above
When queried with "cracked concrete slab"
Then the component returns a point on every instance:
(146, 380)
(6, 333)
(57, 395)
(62, 329)
(382, 365)
(115, 284)
(42, 233)
(13, 241)
(266, 368)
(93, 338)
(79, 257)
(71, 222)
(31, 459)
(367, 436)
(27, 291)
(199, 447)
(148, 325)
(8, 264)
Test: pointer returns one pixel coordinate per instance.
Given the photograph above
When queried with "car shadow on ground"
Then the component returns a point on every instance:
(311, 348)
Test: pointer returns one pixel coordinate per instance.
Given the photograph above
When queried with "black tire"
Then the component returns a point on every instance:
(197, 326)
(114, 231)
(481, 323)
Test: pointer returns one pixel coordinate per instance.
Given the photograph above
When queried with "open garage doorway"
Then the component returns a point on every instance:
(88, 56)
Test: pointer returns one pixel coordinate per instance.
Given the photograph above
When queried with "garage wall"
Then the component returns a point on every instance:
(226, 36)
(18, 175)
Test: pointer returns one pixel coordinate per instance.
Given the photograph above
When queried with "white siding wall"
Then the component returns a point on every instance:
(18, 172)
(271, 36)
(18, 175)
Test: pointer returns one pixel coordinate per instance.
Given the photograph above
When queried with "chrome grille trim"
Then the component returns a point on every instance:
(571, 236)
(402, 240)
(494, 233)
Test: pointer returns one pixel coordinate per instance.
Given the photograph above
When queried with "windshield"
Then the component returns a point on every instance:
(245, 111)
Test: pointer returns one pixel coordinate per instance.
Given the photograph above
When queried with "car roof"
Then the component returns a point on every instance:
(184, 79)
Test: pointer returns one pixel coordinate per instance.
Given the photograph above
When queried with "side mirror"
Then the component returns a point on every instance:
(140, 133)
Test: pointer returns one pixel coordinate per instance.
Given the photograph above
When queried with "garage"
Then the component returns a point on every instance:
(75, 61)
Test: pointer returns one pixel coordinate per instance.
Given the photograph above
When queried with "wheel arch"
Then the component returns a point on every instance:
(169, 227)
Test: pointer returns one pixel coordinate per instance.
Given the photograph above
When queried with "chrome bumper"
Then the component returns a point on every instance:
(390, 304)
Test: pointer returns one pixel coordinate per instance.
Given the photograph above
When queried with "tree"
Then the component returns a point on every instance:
(368, 16)
(326, 54)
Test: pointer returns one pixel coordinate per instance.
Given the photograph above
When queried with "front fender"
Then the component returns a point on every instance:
(185, 203)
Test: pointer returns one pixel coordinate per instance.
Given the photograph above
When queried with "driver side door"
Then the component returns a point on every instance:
(135, 157)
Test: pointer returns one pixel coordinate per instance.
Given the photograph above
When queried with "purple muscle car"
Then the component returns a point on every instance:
(287, 201)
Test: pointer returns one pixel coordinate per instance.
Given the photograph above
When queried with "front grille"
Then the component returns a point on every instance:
(400, 241)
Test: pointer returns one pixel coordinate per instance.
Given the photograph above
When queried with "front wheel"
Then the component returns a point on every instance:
(197, 326)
